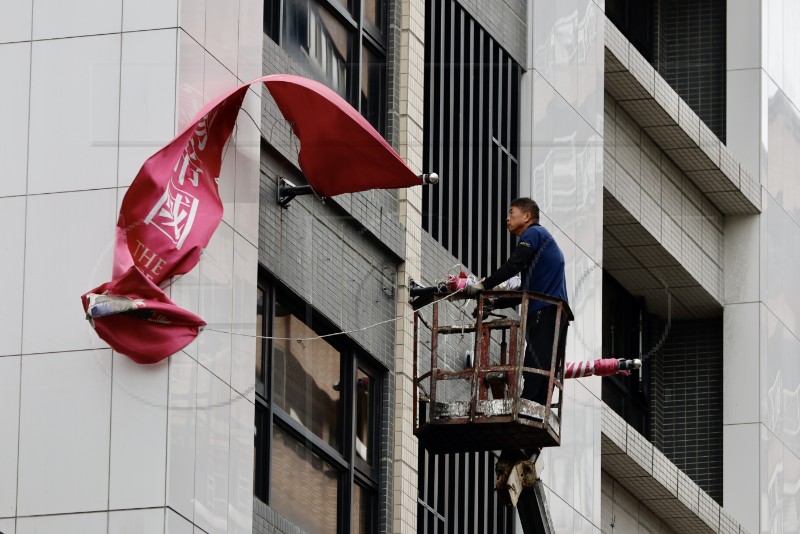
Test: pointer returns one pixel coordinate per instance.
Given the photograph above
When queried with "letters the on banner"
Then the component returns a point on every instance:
(173, 206)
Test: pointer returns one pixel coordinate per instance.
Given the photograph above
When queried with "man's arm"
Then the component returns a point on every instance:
(519, 260)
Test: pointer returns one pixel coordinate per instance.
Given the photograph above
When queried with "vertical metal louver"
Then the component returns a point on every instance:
(456, 495)
(471, 137)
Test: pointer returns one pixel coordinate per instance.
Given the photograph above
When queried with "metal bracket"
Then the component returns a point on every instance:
(287, 191)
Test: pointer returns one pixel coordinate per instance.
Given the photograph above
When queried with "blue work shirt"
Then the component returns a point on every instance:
(545, 273)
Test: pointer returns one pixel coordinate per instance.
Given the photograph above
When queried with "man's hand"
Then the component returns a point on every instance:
(473, 290)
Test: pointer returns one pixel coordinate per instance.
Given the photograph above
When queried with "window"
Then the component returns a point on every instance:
(341, 43)
(317, 415)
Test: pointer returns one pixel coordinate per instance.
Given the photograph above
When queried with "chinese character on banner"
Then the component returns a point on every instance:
(174, 214)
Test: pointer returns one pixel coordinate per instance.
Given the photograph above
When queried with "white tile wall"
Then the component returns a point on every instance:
(218, 80)
(74, 123)
(586, 425)
(245, 267)
(9, 422)
(251, 35)
(96, 523)
(73, 475)
(138, 434)
(240, 489)
(216, 303)
(791, 492)
(586, 55)
(561, 208)
(543, 41)
(741, 343)
(14, 93)
(191, 70)
(12, 261)
(149, 15)
(192, 19)
(561, 514)
(147, 98)
(53, 319)
(15, 20)
(560, 464)
(76, 18)
(782, 248)
(586, 188)
(222, 23)
(136, 521)
(565, 65)
(181, 434)
(97, 105)
(744, 21)
(212, 458)
(741, 466)
(248, 167)
(743, 116)
(176, 524)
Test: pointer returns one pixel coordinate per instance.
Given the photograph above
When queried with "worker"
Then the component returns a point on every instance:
(540, 261)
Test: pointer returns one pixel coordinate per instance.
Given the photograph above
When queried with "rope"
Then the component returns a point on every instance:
(343, 332)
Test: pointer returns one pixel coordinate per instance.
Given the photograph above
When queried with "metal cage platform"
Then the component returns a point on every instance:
(491, 416)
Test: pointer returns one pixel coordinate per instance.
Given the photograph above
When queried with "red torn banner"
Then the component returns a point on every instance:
(173, 206)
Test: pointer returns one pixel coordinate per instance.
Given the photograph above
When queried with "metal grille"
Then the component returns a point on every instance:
(471, 137)
(456, 495)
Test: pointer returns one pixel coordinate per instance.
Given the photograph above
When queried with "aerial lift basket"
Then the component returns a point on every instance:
(489, 414)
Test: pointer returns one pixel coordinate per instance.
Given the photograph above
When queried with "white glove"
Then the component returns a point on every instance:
(473, 290)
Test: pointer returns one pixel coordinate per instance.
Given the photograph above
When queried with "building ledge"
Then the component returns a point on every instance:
(658, 483)
(675, 128)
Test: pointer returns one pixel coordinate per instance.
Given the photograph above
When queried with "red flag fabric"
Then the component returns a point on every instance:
(137, 319)
(173, 207)
(340, 151)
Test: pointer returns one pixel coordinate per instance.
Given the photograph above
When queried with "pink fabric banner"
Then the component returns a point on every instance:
(173, 206)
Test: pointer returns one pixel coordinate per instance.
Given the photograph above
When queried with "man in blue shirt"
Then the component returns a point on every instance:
(541, 264)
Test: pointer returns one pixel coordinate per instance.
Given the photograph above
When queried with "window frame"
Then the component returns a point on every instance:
(350, 467)
(365, 34)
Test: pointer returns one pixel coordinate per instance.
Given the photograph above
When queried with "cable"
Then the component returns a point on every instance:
(343, 332)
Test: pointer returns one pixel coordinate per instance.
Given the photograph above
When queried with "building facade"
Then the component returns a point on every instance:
(657, 137)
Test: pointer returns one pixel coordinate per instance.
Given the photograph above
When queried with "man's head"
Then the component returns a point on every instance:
(522, 213)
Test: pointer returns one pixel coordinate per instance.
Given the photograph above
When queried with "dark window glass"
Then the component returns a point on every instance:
(272, 19)
(374, 14)
(373, 76)
(306, 377)
(316, 418)
(260, 344)
(363, 504)
(306, 485)
(319, 42)
(326, 38)
(364, 416)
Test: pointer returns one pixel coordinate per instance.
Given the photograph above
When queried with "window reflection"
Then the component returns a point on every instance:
(372, 81)
(362, 505)
(260, 303)
(364, 388)
(305, 485)
(316, 40)
(347, 4)
(306, 377)
(373, 13)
